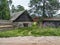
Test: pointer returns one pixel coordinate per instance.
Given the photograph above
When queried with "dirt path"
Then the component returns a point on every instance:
(30, 40)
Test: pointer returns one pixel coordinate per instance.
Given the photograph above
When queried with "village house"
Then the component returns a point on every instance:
(22, 19)
(53, 22)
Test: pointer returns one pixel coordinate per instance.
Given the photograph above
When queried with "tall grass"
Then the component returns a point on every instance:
(31, 31)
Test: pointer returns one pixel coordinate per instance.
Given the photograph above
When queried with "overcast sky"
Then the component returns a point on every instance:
(24, 3)
(21, 2)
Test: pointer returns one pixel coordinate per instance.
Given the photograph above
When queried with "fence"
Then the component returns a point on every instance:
(6, 24)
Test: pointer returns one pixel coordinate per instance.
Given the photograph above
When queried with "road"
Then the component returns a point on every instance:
(30, 40)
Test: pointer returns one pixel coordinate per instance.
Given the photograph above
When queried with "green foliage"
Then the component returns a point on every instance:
(31, 31)
(19, 8)
(10, 2)
(4, 10)
(13, 9)
(46, 8)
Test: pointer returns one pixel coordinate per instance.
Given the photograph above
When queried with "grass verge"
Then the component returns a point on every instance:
(31, 31)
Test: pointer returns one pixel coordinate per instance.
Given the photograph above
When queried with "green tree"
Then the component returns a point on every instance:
(9, 2)
(13, 9)
(17, 8)
(44, 8)
(4, 10)
(20, 8)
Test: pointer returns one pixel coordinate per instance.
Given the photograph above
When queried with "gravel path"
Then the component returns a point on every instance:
(48, 40)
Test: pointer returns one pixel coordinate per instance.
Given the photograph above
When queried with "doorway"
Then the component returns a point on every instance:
(25, 24)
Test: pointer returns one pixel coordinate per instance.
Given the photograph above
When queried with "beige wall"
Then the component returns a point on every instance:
(20, 24)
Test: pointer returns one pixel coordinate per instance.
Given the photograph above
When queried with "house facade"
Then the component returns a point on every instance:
(22, 19)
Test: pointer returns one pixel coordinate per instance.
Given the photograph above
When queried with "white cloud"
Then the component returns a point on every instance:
(24, 3)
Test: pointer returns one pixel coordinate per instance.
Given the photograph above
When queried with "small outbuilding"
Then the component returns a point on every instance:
(51, 22)
(22, 19)
(55, 22)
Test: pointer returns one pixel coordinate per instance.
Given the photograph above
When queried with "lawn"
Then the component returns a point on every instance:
(31, 31)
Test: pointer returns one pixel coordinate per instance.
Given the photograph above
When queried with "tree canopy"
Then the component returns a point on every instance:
(17, 8)
(4, 10)
(44, 8)
(10, 2)
(20, 8)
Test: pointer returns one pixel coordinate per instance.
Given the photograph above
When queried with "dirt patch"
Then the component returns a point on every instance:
(30, 40)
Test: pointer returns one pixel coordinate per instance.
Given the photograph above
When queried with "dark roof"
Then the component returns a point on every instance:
(46, 19)
(16, 15)
(51, 19)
